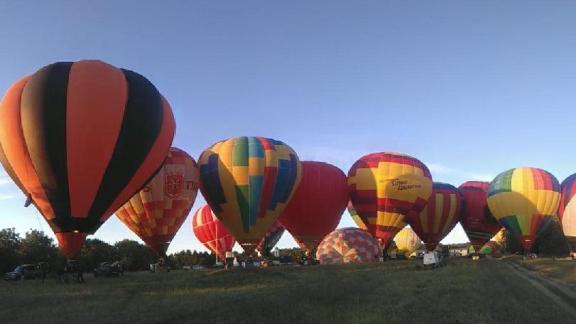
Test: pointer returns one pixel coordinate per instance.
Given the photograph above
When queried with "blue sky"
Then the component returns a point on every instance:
(471, 88)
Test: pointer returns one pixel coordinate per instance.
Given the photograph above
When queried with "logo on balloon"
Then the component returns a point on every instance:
(402, 185)
(173, 184)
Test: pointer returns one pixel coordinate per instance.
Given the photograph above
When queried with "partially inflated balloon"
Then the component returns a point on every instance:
(355, 217)
(440, 215)
(271, 238)
(567, 212)
(79, 139)
(248, 181)
(407, 241)
(490, 248)
(211, 232)
(386, 189)
(477, 220)
(157, 211)
(348, 245)
(525, 201)
(317, 206)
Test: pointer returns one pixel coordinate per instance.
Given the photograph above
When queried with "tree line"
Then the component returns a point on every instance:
(35, 246)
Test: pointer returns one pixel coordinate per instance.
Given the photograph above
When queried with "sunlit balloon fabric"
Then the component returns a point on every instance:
(476, 219)
(211, 232)
(248, 181)
(525, 201)
(567, 212)
(157, 211)
(317, 205)
(79, 139)
(348, 245)
(407, 241)
(440, 215)
(387, 189)
(355, 217)
(271, 238)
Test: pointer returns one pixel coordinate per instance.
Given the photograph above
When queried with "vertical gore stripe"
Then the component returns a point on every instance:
(43, 109)
(152, 162)
(15, 150)
(97, 95)
(140, 128)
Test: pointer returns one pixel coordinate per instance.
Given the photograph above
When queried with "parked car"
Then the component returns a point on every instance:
(109, 269)
(24, 272)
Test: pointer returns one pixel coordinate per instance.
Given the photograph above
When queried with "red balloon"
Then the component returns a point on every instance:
(476, 219)
(211, 232)
(317, 205)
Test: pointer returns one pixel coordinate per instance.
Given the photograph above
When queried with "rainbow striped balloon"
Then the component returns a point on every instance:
(525, 201)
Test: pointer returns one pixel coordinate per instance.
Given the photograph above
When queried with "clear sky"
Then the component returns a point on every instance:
(471, 88)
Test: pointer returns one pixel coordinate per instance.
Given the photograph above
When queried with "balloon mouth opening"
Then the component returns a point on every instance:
(70, 243)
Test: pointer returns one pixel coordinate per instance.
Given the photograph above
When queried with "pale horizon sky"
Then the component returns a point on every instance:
(470, 88)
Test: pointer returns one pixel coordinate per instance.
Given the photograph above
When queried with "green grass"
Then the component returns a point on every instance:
(396, 292)
(560, 269)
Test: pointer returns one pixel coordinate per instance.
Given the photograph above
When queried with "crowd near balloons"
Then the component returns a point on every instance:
(86, 140)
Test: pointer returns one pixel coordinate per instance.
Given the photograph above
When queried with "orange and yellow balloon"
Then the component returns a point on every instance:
(525, 201)
(157, 211)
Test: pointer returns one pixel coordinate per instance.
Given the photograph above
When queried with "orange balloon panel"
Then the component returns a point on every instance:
(156, 212)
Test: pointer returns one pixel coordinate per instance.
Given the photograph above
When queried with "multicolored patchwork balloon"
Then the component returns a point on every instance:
(567, 211)
(348, 245)
(248, 181)
(387, 190)
(317, 206)
(79, 139)
(440, 215)
(525, 201)
(158, 210)
(211, 232)
(477, 220)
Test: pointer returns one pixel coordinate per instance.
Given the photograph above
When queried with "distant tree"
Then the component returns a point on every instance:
(95, 251)
(9, 246)
(36, 246)
(134, 255)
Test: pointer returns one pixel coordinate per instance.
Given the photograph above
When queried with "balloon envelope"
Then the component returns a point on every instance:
(211, 232)
(317, 205)
(79, 139)
(158, 210)
(440, 215)
(355, 217)
(387, 189)
(525, 201)
(407, 241)
(477, 220)
(271, 238)
(248, 181)
(567, 212)
(348, 245)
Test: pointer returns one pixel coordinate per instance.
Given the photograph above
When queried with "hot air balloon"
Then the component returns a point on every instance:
(248, 181)
(271, 239)
(348, 245)
(490, 248)
(157, 211)
(525, 202)
(317, 205)
(355, 217)
(211, 232)
(79, 139)
(440, 215)
(407, 241)
(567, 211)
(386, 189)
(476, 219)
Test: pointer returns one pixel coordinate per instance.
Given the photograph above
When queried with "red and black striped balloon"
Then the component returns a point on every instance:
(80, 139)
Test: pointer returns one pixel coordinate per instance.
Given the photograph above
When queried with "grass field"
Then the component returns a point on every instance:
(560, 269)
(464, 291)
